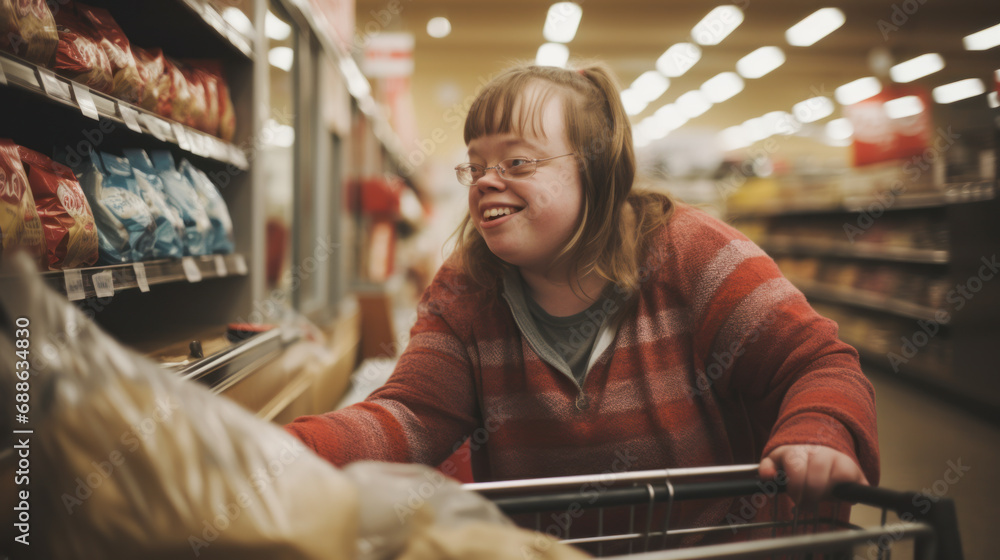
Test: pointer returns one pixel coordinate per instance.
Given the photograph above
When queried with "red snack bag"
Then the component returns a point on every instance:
(155, 81)
(19, 223)
(28, 30)
(227, 114)
(196, 86)
(178, 106)
(79, 55)
(127, 83)
(206, 87)
(68, 223)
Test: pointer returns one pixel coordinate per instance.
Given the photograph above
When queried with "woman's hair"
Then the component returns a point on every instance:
(612, 237)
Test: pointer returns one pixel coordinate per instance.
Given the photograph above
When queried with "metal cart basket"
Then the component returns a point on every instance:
(630, 515)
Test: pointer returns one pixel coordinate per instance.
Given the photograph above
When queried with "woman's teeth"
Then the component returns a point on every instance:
(493, 213)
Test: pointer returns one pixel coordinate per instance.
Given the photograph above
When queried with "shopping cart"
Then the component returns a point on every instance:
(630, 515)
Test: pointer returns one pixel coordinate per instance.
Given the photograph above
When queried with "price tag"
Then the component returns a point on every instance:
(104, 284)
(155, 126)
(85, 101)
(74, 284)
(130, 116)
(51, 84)
(140, 276)
(3, 77)
(191, 270)
(181, 135)
(241, 264)
(220, 266)
(239, 158)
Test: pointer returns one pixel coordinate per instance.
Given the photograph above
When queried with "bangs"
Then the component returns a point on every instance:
(512, 104)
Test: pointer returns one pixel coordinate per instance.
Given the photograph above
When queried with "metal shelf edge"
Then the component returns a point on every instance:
(866, 300)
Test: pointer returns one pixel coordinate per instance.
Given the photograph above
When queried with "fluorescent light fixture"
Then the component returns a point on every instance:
(562, 21)
(552, 54)
(693, 104)
(722, 86)
(760, 62)
(357, 84)
(992, 100)
(781, 122)
(814, 27)
(956, 91)
(903, 107)
(813, 109)
(839, 129)
(276, 29)
(281, 57)
(734, 138)
(438, 27)
(717, 25)
(650, 128)
(982, 40)
(669, 117)
(633, 102)
(678, 59)
(858, 90)
(918, 67)
(755, 129)
(238, 19)
(650, 85)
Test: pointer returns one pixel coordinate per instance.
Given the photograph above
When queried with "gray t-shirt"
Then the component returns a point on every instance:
(571, 337)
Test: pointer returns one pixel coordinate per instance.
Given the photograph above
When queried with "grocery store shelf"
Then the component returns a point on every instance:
(868, 251)
(953, 193)
(224, 369)
(867, 300)
(222, 27)
(24, 75)
(142, 275)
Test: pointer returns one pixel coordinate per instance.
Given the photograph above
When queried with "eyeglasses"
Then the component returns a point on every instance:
(510, 169)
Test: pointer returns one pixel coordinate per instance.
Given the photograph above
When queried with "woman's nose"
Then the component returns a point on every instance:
(491, 178)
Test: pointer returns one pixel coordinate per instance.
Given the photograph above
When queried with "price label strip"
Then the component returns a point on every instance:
(191, 270)
(3, 76)
(52, 86)
(220, 266)
(104, 284)
(181, 135)
(155, 127)
(241, 265)
(130, 116)
(140, 276)
(85, 101)
(74, 284)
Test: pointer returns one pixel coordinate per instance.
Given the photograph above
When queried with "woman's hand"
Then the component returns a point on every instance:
(811, 471)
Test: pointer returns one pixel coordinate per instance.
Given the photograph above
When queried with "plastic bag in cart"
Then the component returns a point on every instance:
(221, 240)
(68, 223)
(19, 222)
(28, 30)
(168, 243)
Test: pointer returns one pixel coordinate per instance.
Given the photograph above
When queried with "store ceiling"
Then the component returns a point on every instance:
(630, 35)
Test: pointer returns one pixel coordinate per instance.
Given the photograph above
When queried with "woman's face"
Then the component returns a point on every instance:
(544, 208)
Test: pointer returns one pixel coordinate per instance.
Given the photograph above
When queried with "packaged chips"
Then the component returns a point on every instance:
(28, 30)
(19, 223)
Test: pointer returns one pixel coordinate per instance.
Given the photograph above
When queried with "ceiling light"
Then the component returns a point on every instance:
(281, 57)
(693, 104)
(669, 117)
(858, 90)
(438, 27)
(781, 122)
(903, 107)
(982, 40)
(722, 86)
(552, 54)
(918, 67)
(562, 21)
(839, 129)
(276, 29)
(238, 19)
(678, 59)
(755, 129)
(812, 110)
(956, 91)
(652, 129)
(633, 102)
(992, 100)
(760, 62)
(650, 85)
(717, 25)
(734, 138)
(814, 27)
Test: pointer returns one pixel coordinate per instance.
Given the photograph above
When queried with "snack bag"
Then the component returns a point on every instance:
(181, 194)
(226, 112)
(199, 105)
(221, 239)
(79, 55)
(168, 239)
(127, 84)
(179, 98)
(68, 223)
(125, 227)
(28, 30)
(155, 81)
(19, 223)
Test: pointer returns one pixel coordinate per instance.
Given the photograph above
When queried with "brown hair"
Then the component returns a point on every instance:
(612, 237)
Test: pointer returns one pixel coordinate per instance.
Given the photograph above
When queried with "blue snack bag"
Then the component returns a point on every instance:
(218, 213)
(182, 195)
(169, 226)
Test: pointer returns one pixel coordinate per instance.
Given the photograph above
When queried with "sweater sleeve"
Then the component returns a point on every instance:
(757, 337)
(423, 412)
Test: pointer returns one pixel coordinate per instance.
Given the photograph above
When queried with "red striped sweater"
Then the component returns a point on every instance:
(721, 361)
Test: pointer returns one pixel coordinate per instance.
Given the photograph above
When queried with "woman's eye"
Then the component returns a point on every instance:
(517, 162)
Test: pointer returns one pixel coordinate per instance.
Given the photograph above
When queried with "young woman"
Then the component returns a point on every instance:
(582, 326)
